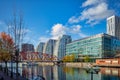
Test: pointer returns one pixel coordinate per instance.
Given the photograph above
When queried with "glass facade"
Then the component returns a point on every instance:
(97, 46)
(60, 47)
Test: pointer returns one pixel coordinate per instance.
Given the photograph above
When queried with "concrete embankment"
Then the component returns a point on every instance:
(108, 65)
(46, 63)
(78, 64)
(68, 64)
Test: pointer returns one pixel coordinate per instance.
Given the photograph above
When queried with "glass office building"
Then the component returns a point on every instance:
(97, 46)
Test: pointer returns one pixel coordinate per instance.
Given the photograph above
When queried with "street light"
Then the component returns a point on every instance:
(17, 54)
(11, 66)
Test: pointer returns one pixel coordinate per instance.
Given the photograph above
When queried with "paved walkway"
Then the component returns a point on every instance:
(3, 76)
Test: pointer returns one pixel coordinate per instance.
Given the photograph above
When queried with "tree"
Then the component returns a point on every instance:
(72, 57)
(86, 58)
(6, 47)
(69, 58)
(17, 30)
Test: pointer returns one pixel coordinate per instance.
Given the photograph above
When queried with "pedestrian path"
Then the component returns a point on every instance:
(3, 76)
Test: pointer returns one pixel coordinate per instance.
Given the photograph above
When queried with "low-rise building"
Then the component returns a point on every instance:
(26, 47)
(97, 46)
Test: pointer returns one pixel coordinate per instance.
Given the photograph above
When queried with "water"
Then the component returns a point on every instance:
(67, 73)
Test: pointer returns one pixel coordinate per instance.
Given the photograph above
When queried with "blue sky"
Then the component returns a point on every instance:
(47, 19)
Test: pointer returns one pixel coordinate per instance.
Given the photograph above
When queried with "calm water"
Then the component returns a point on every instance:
(67, 73)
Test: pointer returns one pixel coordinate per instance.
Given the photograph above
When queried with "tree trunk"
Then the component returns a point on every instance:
(6, 68)
(11, 67)
(17, 73)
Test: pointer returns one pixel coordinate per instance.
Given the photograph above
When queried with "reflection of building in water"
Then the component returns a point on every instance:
(110, 74)
(62, 75)
(111, 71)
(58, 73)
(40, 70)
(80, 74)
(47, 72)
(30, 72)
(25, 72)
(55, 72)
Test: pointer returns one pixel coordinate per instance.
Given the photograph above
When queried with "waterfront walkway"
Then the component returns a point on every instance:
(4, 76)
(108, 65)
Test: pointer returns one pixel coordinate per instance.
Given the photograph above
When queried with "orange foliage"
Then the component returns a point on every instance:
(6, 39)
(6, 46)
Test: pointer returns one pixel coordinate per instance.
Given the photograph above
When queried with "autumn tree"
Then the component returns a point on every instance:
(6, 47)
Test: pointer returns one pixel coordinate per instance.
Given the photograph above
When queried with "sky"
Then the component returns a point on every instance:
(49, 19)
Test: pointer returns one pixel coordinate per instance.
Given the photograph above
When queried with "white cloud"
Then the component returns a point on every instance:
(73, 19)
(90, 2)
(82, 35)
(58, 30)
(75, 29)
(93, 14)
(43, 39)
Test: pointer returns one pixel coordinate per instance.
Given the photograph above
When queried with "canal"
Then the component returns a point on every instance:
(66, 73)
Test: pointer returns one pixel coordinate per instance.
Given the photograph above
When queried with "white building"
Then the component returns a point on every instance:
(113, 26)
(40, 47)
(49, 47)
(60, 46)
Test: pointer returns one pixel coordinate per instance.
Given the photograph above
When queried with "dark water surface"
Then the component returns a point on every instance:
(67, 73)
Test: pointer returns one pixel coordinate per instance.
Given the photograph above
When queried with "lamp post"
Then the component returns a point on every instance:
(11, 66)
(17, 54)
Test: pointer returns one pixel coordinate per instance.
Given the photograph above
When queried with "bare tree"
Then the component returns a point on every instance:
(17, 30)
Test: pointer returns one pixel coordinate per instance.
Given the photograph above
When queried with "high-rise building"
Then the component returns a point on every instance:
(60, 47)
(27, 47)
(113, 26)
(97, 46)
(49, 47)
(40, 47)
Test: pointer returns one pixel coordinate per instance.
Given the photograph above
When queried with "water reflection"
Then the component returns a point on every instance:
(110, 73)
(68, 73)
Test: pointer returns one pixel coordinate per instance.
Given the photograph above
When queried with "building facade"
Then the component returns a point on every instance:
(97, 46)
(27, 47)
(49, 47)
(40, 47)
(60, 46)
(113, 26)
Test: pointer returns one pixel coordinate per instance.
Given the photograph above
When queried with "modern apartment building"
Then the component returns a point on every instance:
(97, 46)
(49, 47)
(40, 47)
(27, 47)
(113, 26)
(60, 46)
